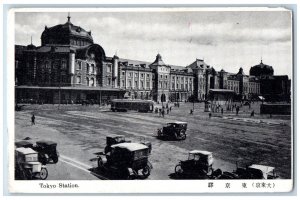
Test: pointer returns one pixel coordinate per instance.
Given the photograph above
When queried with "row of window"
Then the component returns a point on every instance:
(142, 84)
(130, 74)
(89, 81)
(79, 42)
(90, 68)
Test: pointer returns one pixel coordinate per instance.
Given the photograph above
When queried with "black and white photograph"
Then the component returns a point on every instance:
(141, 95)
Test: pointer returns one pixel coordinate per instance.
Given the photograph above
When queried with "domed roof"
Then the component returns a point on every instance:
(63, 33)
(261, 69)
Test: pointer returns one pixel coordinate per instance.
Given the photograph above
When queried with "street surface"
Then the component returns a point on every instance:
(81, 131)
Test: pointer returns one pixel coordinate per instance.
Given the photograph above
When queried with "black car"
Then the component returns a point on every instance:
(47, 151)
(174, 130)
(126, 160)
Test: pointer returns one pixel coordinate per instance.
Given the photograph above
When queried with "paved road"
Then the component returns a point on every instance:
(82, 132)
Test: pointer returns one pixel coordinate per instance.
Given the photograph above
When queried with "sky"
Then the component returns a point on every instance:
(224, 39)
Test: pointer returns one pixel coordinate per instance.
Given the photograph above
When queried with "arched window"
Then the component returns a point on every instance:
(92, 82)
(87, 81)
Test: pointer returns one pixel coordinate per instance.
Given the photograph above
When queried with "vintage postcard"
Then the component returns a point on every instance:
(150, 100)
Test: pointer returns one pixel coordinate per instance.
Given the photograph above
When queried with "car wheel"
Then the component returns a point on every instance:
(43, 173)
(146, 171)
(178, 169)
(100, 163)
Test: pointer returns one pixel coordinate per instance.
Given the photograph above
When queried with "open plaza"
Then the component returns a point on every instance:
(80, 131)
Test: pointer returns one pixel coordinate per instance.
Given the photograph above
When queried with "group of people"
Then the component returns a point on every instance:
(163, 110)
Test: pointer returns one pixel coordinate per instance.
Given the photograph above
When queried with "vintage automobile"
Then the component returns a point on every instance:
(251, 172)
(23, 143)
(198, 164)
(125, 160)
(47, 151)
(260, 172)
(173, 130)
(27, 165)
(121, 139)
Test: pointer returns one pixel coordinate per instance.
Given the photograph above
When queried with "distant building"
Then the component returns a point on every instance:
(69, 67)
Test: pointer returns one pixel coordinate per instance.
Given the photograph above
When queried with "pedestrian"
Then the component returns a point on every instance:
(252, 113)
(191, 112)
(237, 110)
(222, 111)
(167, 111)
(170, 108)
(209, 115)
(32, 120)
(159, 112)
(163, 113)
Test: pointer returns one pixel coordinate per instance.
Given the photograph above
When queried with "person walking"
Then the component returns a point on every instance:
(252, 113)
(163, 112)
(32, 120)
(237, 110)
(222, 111)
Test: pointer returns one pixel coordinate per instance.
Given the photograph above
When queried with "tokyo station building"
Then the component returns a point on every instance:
(69, 67)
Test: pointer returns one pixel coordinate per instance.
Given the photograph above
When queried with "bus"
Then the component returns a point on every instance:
(123, 105)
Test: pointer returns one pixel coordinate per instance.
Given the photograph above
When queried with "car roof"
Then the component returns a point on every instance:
(177, 122)
(263, 168)
(130, 146)
(47, 142)
(22, 142)
(25, 150)
(200, 152)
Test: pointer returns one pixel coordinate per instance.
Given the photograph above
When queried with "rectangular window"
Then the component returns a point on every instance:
(123, 73)
(109, 68)
(161, 76)
(135, 74)
(130, 83)
(166, 85)
(79, 65)
(142, 75)
(109, 81)
(160, 84)
(135, 84)
(166, 77)
(123, 83)
(130, 74)
(148, 75)
(63, 64)
(148, 84)
(142, 84)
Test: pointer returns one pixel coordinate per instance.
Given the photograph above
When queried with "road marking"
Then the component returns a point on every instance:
(75, 161)
(80, 165)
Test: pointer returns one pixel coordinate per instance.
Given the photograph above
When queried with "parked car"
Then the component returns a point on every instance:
(174, 130)
(251, 172)
(260, 172)
(27, 165)
(126, 160)
(47, 151)
(199, 163)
